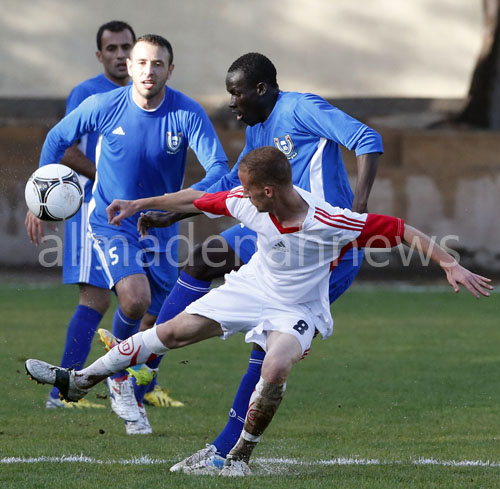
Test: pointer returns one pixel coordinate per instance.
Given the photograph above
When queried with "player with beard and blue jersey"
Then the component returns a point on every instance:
(144, 133)
(310, 132)
(80, 262)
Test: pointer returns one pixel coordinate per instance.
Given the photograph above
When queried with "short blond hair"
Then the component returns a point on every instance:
(267, 166)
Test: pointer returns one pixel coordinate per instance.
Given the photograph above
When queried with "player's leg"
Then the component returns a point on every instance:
(237, 306)
(93, 303)
(134, 298)
(243, 243)
(229, 435)
(161, 275)
(120, 256)
(183, 330)
(214, 454)
(212, 259)
(133, 295)
(283, 351)
(81, 266)
(185, 290)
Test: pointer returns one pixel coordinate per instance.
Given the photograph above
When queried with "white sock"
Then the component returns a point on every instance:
(134, 350)
(152, 341)
(86, 378)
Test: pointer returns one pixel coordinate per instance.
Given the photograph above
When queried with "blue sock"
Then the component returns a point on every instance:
(229, 435)
(186, 290)
(123, 328)
(81, 330)
(151, 386)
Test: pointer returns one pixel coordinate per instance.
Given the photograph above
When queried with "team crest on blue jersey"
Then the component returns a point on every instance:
(174, 142)
(285, 145)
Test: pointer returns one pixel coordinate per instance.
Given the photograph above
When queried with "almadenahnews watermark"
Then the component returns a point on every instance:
(146, 251)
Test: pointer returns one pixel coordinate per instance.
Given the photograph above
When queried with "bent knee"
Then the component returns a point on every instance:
(135, 307)
(275, 371)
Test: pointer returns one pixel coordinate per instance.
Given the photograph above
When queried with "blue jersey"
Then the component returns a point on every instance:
(140, 153)
(310, 132)
(88, 142)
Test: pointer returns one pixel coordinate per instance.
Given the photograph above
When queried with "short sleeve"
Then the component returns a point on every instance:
(213, 203)
(381, 231)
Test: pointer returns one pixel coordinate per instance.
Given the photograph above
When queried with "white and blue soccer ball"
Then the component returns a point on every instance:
(54, 193)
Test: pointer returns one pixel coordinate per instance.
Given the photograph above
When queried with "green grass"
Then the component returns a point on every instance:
(406, 375)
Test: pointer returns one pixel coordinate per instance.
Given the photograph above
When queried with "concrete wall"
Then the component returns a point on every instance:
(339, 48)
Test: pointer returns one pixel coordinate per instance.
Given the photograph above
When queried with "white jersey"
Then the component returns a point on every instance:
(292, 265)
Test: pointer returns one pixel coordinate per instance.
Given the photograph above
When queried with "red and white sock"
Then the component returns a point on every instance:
(139, 348)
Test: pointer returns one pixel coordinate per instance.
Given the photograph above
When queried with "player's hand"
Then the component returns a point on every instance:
(155, 219)
(34, 228)
(476, 284)
(119, 210)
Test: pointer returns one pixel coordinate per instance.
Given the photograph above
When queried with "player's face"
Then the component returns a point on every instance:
(115, 50)
(246, 100)
(258, 194)
(150, 68)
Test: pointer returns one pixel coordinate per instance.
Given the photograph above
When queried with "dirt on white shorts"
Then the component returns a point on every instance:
(239, 306)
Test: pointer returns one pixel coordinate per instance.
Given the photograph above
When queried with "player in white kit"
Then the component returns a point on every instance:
(283, 289)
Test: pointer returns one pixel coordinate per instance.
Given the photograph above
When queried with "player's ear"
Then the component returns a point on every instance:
(261, 88)
(129, 67)
(269, 191)
(98, 55)
(170, 71)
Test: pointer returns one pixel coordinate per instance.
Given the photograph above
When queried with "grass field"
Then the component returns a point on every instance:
(405, 394)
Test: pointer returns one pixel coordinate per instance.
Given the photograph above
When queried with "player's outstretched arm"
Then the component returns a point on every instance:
(181, 201)
(455, 273)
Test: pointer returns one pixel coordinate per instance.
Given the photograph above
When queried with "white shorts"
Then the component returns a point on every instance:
(239, 306)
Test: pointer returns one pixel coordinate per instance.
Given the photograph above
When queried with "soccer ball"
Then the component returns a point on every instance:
(53, 193)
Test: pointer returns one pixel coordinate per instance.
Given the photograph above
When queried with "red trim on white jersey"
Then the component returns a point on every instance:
(213, 203)
(281, 229)
(338, 220)
(343, 251)
(306, 352)
(381, 232)
(236, 192)
(216, 203)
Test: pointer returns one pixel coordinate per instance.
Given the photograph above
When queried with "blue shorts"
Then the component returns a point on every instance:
(243, 241)
(122, 254)
(81, 264)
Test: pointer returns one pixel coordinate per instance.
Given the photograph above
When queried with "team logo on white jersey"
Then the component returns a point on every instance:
(174, 142)
(285, 145)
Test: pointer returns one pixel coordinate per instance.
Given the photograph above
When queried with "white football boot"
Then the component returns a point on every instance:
(62, 378)
(141, 426)
(235, 468)
(123, 402)
(204, 462)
